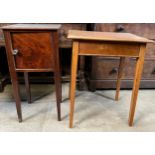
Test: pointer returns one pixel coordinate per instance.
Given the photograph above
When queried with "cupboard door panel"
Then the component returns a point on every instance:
(34, 50)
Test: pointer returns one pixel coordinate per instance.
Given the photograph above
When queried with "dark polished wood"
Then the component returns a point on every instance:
(33, 48)
(57, 73)
(13, 74)
(108, 44)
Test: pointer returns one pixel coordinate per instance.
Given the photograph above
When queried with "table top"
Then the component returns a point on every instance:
(106, 36)
(32, 27)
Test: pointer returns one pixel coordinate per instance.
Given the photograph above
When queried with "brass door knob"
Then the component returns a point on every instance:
(15, 52)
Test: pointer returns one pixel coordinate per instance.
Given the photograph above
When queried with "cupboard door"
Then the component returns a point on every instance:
(32, 50)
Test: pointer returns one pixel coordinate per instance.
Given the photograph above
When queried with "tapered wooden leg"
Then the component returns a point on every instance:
(16, 95)
(57, 73)
(73, 81)
(138, 72)
(120, 74)
(27, 84)
(58, 87)
(13, 75)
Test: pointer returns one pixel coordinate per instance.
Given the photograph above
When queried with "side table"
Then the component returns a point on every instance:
(108, 44)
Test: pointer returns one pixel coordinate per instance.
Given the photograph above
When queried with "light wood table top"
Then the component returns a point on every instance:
(106, 36)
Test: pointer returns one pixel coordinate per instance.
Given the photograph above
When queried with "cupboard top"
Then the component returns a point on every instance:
(32, 27)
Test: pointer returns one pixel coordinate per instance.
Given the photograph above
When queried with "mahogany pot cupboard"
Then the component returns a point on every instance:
(33, 48)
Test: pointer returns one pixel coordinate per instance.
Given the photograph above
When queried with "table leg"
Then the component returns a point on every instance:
(138, 72)
(120, 74)
(73, 81)
(27, 84)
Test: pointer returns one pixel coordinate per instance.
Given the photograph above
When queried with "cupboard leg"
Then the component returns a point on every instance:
(57, 73)
(58, 87)
(13, 75)
(16, 95)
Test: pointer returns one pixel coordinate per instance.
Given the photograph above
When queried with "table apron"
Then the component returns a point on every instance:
(109, 48)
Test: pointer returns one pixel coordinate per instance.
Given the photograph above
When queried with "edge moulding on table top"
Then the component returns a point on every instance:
(108, 44)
